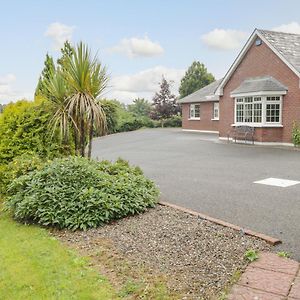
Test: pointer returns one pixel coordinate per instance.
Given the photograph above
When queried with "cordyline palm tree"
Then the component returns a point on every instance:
(55, 90)
(86, 78)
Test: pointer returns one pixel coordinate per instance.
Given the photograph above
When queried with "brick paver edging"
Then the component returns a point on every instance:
(269, 278)
(268, 239)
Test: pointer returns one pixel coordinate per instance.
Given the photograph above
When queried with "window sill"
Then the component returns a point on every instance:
(215, 119)
(194, 119)
(258, 125)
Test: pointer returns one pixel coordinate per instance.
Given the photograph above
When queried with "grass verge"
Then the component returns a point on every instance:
(36, 266)
(130, 280)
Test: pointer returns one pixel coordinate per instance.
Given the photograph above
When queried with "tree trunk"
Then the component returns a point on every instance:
(76, 140)
(82, 137)
(91, 133)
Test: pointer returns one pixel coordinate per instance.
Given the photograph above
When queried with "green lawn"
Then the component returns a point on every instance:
(35, 266)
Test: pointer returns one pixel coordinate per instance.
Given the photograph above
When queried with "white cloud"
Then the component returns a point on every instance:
(138, 47)
(293, 27)
(59, 33)
(224, 39)
(7, 90)
(144, 84)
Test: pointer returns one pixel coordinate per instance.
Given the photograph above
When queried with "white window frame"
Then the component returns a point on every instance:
(264, 103)
(192, 111)
(216, 107)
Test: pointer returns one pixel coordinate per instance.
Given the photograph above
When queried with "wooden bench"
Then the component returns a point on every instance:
(241, 132)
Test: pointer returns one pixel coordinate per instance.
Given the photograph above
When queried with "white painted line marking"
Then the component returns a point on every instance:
(277, 182)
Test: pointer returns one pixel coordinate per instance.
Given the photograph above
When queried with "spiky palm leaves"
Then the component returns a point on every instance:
(73, 90)
(55, 90)
(87, 80)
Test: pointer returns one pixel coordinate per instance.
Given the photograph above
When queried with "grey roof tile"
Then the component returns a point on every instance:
(259, 84)
(287, 44)
(202, 94)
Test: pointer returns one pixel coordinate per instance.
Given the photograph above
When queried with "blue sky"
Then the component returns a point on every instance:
(138, 41)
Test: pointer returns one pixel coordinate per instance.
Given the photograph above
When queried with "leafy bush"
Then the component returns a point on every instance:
(135, 123)
(24, 129)
(20, 165)
(110, 109)
(174, 121)
(135, 116)
(296, 134)
(76, 193)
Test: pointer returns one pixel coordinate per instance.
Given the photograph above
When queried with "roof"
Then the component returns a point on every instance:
(205, 94)
(285, 45)
(259, 84)
(288, 44)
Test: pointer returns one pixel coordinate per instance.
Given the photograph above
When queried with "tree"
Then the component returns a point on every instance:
(140, 108)
(164, 103)
(110, 108)
(195, 78)
(2, 106)
(86, 79)
(56, 92)
(48, 71)
(67, 51)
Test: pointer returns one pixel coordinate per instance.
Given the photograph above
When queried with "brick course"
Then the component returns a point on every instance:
(262, 61)
(206, 115)
(258, 61)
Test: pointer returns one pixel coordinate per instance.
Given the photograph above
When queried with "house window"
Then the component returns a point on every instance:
(216, 111)
(195, 111)
(258, 110)
(273, 110)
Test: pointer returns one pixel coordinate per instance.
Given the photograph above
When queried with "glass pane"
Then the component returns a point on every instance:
(272, 113)
(197, 111)
(216, 111)
(257, 112)
(248, 113)
(240, 113)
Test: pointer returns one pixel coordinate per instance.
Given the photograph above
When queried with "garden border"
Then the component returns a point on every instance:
(268, 239)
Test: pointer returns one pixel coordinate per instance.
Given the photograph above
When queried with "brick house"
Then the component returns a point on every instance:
(261, 89)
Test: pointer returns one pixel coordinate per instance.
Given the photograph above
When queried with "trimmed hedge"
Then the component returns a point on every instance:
(24, 128)
(76, 193)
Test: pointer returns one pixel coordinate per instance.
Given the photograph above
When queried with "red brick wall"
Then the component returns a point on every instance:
(262, 61)
(205, 122)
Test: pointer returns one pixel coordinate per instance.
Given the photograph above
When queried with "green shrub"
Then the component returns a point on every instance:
(20, 165)
(24, 128)
(135, 123)
(175, 121)
(110, 109)
(76, 193)
(296, 134)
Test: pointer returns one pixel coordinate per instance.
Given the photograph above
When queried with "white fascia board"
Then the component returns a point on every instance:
(241, 55)
(236, 62)
(264, 93)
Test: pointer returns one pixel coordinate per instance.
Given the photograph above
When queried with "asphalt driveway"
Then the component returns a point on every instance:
(199, 172)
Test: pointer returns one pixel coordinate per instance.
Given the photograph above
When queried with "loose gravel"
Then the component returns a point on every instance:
(199, 257)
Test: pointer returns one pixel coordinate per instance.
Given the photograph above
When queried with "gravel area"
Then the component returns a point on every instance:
(199, 258)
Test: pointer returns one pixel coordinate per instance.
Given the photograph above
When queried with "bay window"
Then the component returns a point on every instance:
(259, 111)
(195, 111)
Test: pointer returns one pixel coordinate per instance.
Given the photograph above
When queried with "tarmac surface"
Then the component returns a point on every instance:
(197, 171)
